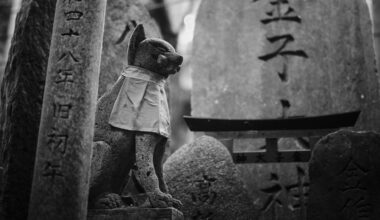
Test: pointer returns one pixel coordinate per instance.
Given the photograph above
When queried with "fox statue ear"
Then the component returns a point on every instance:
(137, 36)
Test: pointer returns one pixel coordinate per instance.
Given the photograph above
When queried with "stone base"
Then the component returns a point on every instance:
(134, 213)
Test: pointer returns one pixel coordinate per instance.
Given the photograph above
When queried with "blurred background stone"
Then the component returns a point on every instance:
(122, 18)
(344, 177)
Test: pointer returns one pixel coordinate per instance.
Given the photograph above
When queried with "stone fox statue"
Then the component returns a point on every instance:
(132, 126)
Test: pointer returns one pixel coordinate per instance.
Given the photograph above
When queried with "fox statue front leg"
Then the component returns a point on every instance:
(148, 171)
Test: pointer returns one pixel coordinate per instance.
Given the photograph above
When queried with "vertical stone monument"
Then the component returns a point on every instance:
(344, 177)
(62, 168)
(277, 59)
(21, 95)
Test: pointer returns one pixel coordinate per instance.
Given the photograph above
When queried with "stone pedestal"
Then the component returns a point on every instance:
(134, 213)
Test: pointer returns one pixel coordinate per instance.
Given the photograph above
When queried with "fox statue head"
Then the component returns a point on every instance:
(153, 54)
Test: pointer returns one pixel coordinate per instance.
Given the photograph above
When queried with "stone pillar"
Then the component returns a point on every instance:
(344, 177)
(62, 168)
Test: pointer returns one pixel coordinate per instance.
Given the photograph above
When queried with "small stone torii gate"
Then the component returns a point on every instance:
(273, 129)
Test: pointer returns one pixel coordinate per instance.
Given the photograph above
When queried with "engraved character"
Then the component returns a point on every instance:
(205, 195)
(65, 76)
(52, 170)
(355, 192)
(287, 38)
(274, 192)
(57, 141)
(73, 15)
(70, 33)
(61, 110)
(70, 56)
(292, 196)
(281, 11)
(299, 191)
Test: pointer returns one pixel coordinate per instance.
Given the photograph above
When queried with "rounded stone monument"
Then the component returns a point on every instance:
(344, 177)
(203, 176)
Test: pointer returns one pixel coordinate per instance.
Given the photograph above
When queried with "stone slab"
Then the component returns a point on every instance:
(344, 177)
(133, 213)
(276, 59)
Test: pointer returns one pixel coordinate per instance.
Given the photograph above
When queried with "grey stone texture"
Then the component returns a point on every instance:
(20, 104)
(326, 66)
(133, 213)
(271, 59)
(23, 84)
(344, 177)
(63, 158)
(122, 17)
(203, 176)
(124, 149)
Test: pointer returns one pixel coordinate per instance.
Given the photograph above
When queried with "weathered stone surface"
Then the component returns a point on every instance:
(63, 158)
(270, 59)
(344, 177)
(122, 17)
(20, 104)
(325, 63)
(23, 83)
(203, 176)
(5, 24)
(133, 213)
(136, 132)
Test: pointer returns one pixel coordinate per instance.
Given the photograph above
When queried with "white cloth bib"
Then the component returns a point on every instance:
(141, 104)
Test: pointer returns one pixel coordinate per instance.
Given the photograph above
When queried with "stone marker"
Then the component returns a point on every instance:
(203, 176)
(276, 59)
(344, 177)
(133, 213)
(62, 169)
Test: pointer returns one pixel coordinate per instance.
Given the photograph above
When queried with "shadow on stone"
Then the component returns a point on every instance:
(133, 213)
